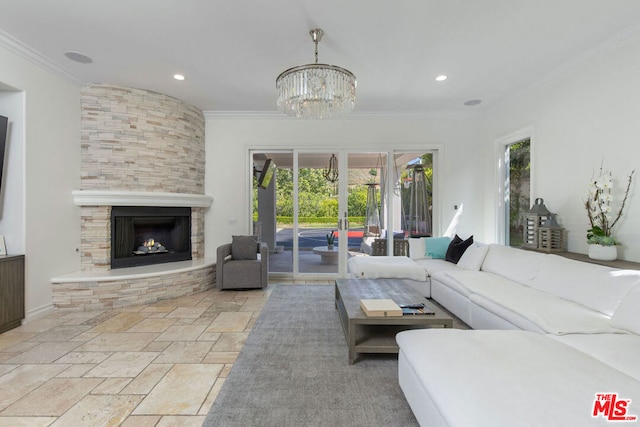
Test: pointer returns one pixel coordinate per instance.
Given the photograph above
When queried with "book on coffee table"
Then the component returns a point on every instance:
(380, 307)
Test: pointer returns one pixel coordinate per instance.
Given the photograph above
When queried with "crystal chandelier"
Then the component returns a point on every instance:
(316, 91)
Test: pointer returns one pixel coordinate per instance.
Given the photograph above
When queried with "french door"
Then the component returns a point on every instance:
(319, 242)
(325, 206)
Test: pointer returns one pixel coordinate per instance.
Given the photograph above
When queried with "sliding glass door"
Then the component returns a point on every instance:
(322, 207)
(318, 244)
(342, 208)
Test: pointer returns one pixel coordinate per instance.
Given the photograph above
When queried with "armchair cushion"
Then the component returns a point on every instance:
(244, 248)
(243, 274)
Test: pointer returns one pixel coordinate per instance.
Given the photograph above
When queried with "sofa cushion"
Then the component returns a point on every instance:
(244, 248)
(551, 314)
(595, 286)
(416, 248)
(456, 248)
(385, 267)
(451, 282)
(619, 351)
(627, 315)
(516, 264)
(473, 257)
(434, 265)
(436, 247)
(506, 378)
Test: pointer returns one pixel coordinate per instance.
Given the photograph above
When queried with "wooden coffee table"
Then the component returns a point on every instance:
(366, 334)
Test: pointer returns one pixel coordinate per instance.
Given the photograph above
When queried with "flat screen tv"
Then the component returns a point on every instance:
(4, 125)
(266, 174)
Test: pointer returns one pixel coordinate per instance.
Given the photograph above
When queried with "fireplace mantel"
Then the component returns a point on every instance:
(139, 198)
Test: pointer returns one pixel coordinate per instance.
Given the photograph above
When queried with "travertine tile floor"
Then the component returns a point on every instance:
(154, 365)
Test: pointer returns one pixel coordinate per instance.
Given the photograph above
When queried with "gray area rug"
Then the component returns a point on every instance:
(293, 371)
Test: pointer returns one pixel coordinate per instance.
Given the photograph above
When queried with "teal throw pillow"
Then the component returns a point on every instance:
(436, 247)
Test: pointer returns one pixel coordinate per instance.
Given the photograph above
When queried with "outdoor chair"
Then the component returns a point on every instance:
(400, 247)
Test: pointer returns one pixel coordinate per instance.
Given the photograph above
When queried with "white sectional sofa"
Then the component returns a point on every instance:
(495, 378)
(518, 289)
(550, 334)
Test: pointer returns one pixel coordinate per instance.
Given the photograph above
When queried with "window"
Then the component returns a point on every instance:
(517, 189)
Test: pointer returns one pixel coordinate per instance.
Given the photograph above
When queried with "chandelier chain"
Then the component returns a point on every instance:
(316, 43)
(316, 36)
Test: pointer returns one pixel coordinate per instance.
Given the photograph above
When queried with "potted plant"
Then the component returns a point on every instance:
(331, 237)
(602, 218)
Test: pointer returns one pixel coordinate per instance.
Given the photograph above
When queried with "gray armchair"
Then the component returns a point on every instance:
(240, 267)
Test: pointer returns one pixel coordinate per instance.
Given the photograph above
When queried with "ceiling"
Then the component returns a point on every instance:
(231, 51)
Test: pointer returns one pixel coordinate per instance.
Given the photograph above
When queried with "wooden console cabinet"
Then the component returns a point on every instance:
(11, 291)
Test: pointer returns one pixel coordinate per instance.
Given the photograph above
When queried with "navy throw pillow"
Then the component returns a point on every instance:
(456, 248)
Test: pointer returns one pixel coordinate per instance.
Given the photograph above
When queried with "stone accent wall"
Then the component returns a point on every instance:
(84, 296)
(197, 233)
(95, 238)
(137, 140)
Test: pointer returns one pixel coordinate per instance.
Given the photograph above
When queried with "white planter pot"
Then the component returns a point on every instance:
(603, 253)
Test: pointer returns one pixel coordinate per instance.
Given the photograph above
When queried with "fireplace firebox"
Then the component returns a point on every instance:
(142, 235)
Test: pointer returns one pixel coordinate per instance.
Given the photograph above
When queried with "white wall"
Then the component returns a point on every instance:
(584, 116)
(51, 171)
(228, 174)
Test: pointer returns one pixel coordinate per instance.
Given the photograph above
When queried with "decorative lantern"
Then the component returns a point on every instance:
(551, 235)
(533, 220)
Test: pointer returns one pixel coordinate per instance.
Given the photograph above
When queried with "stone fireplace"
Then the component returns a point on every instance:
(142, 154)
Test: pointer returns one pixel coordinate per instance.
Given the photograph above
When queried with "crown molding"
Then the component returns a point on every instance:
(360, 115)
(273, 115)
(25, 51)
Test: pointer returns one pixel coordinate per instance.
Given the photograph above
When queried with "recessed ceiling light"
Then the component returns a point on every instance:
(178, 77)
(473, 102)
(78, 57)
(441, 78)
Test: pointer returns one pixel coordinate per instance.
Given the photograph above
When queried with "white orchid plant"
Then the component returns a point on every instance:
(602, 217)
